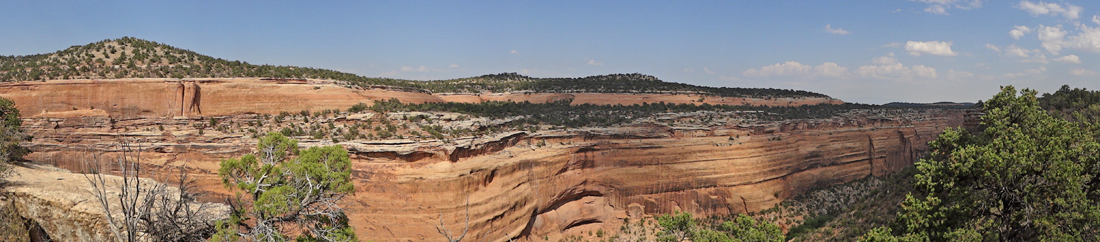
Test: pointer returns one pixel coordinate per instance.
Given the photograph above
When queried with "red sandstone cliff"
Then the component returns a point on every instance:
(516, 184)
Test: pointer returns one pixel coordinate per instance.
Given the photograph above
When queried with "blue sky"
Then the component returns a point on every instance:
(861, 51)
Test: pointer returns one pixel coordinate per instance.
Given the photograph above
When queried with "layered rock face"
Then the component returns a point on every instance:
(151, 98)
(520, 184)
(510, 184)
(588, 180)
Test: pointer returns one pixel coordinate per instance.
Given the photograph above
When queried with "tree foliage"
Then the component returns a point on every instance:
(1024, 176)
(288, 192)
(130, 57)
(681, 226)
(11, 133)
(564, 113)
(1077, 104)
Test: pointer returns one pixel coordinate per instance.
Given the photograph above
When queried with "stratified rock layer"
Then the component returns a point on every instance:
(132, 98)
(587, 180)
(513, 184)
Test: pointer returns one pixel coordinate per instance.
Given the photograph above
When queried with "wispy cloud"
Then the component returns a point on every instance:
(1026, 55)
(885, 60)
(941, 6)
(594, 63)
(1028, 72)
(514, 52)
(1019, 31)
(453, 66)
(411, 69)
(708, 71)
(1072, 59)
(897, 71)
(918, 48)
(793, 68)
(831, 30)
(1068, 11)
(1082, 72)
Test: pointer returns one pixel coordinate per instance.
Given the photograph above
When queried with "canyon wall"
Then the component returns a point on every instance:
(588, 180)
(508, 184)
(148, 98)
(551, 183)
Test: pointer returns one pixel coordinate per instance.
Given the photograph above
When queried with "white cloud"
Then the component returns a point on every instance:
(941, 6)
(885, 60)
(1019, 31)
(1053, 38)
(792, 68)
(1038, 58)
(1028, 72)
(524, 71)
(892, 45)
(1082, 72)
(931, 47)
(707, 70)
(993, 47)
(958, 75)
(388, 73)
(410, 69)
(1069, 59)
(830, 69)
(689, 70)
(1025, 55)
(453, 66)
(1069, 11)
(936, 9)
(594, 63)
(1012, 50)
(1096, 19)
(730, 78)
(831, 30)
(897, 71)
(514, 52)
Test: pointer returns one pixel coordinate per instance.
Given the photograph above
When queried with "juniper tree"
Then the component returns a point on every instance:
(285, 192)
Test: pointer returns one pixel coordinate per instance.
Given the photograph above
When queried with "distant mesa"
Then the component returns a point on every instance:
(129, 57)
(927, 105)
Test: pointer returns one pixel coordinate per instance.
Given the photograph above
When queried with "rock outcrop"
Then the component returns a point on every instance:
(64, 205)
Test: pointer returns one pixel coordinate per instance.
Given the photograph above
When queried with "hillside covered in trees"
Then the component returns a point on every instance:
(130, 57)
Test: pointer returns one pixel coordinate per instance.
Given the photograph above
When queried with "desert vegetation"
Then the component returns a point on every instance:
(130, 57)
(13, 227)
(1024, 175)
(141, 209)
(287, 193)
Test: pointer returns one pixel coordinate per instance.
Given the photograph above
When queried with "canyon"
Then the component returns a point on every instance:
(510, 184)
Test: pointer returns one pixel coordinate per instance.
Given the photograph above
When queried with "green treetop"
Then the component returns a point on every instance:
(286, 195)
(1025, 176)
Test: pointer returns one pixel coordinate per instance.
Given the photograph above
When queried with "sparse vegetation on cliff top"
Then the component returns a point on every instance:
(130, 57)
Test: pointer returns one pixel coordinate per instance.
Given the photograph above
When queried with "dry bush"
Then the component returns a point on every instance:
(147, 210)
